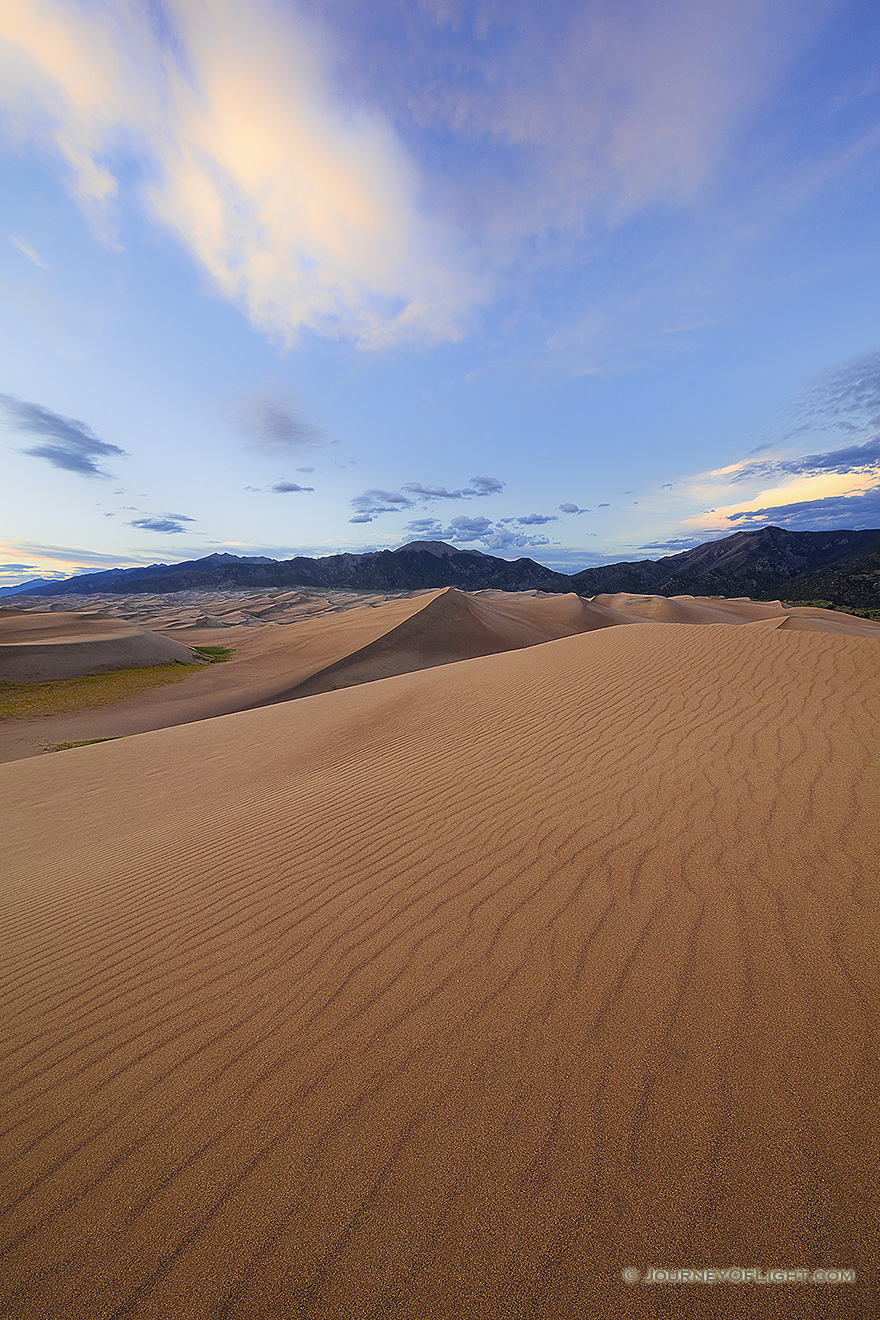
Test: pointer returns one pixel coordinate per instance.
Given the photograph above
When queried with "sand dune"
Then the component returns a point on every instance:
(338, 649)
(452, 994)
(451, 625)
(691, 609)
(346, 645)
(42, 647)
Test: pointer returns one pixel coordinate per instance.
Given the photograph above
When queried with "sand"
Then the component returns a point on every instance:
(343, 646)
(453, 994)
(46, 647)
(322, 645)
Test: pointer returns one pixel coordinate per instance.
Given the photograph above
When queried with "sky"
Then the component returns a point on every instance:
(585, 282)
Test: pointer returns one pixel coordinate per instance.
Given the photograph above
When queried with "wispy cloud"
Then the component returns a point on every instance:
(287, 487)
(52, 561)
(477, 486)
(169, 522)
(853, 458)
(374, 502)
(466, 530)
(805, 490)
(859, 510)
(371, 171)
(302, 207)
(66, 443)
(568, 507)
(29, 251)
(845, 396)
(273, 423)
(574, 110)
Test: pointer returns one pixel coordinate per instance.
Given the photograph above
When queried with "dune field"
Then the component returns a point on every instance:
(520, 948)
(293, 645)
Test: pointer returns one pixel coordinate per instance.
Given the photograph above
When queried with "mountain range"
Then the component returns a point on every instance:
(842, 567)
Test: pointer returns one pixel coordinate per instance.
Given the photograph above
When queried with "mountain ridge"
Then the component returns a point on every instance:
(842, 566)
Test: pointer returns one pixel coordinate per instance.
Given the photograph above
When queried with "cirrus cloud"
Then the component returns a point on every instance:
(301, 207)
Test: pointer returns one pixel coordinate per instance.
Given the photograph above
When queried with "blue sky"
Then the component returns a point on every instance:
(582, 282)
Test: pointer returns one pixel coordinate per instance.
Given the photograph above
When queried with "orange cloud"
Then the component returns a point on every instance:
(817, 487)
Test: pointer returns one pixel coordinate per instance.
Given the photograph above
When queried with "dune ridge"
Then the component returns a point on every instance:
(455, 992)
(338, 646)
(40, 647)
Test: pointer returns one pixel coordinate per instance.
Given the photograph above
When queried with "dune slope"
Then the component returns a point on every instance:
(455, 993)
(337, 650)
(45, 647)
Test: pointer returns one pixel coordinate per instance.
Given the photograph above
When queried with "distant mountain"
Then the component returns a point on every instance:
(841, 566)
(127, 579)
(418, 564)
(32, 585)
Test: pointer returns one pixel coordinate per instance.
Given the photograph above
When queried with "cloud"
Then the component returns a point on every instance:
(676, 544)
(284, 487)
(570, 508)
(845, 396)
(373, 502)
(536, 519)
(429, 528)
(557, 113)
(853, 458)
(169, 522)
(810, 488)
(273, 423)
(477, 486)
(463, 529)
(69, 444)
(305, 470)
(300, 204)
(468, 529)
(28, 250)
(63, 553)
(486, 485)
(374, 171)
(428, 493)
(861, 510)
(603, 506)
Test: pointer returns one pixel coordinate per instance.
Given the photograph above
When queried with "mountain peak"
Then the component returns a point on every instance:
(439, 548)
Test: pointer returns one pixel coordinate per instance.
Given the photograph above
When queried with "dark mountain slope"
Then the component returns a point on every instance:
(839, 566)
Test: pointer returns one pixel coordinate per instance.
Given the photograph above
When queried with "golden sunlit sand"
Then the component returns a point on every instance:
(455, 992)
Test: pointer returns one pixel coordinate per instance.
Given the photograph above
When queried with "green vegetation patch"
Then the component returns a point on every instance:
(859, 611)
(84, 742)
(66, 695)
(215, 655)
